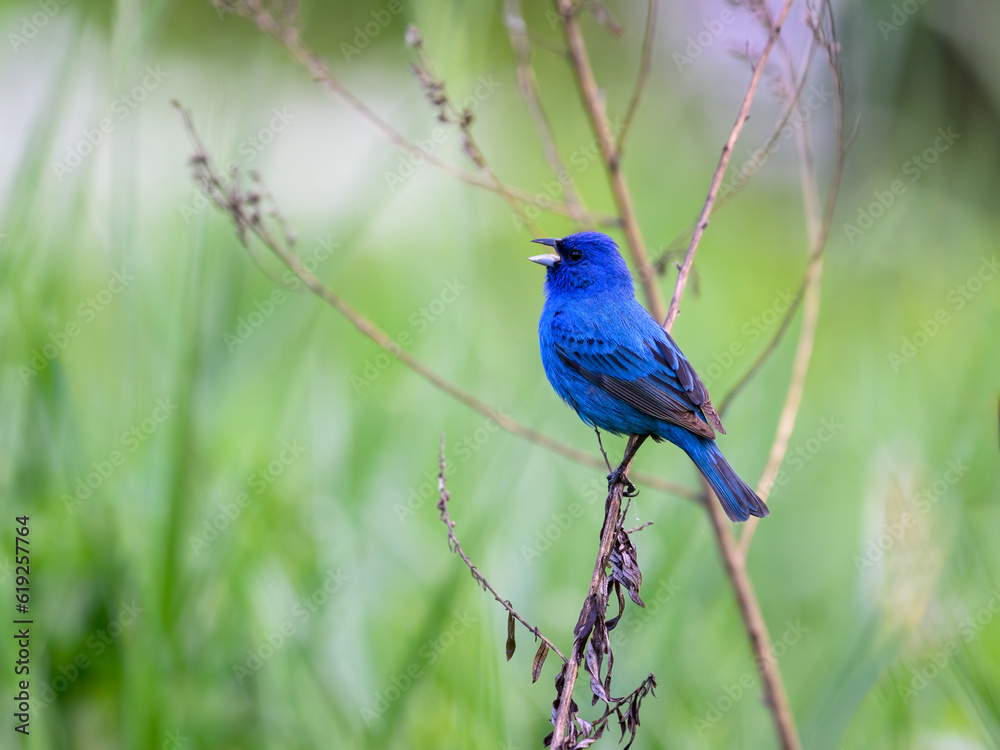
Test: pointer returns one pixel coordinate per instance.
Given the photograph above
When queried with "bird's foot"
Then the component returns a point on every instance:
(619, 476)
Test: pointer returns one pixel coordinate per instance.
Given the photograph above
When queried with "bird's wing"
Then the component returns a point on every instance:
(640, 364)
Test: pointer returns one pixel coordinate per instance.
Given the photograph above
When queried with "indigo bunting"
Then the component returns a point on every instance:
(615, 365)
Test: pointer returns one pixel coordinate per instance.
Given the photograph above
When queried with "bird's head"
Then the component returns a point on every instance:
(586, 262)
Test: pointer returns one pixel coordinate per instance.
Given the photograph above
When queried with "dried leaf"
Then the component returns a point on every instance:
(587, 616)
(598, 690)
(538, 661)
(625, 565)
(511, 644)
(613, 622)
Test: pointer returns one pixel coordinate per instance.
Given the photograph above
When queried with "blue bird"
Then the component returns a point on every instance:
(615, 365)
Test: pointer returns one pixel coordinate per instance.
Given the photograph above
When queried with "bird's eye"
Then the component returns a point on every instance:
(574, 255)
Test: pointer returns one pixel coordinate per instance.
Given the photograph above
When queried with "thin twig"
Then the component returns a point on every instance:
(434, 90)
(807, 333)
(812, 266)
(776, 698)
(793, 399)
(645, 63)
(594, 103)
(734, 561)
(720, 170)
(680, 241)
(772, 345)
(638, 528)
(443, 497)
(290, 38)
(600, 444)
(601, 15)
(832, 46)
(819, 230)
(612, 520)
(527, 81)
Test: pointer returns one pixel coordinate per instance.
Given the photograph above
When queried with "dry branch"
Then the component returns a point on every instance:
(527, 83)
(285, 31)
(753, 619)
(818, 222)
(592, 627)
(678, 244)
(442, 505)
(435, 92)
(720, 170)
(645, 63)
(594, 104)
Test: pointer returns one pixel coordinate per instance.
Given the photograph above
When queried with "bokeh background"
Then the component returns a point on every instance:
(233, 532)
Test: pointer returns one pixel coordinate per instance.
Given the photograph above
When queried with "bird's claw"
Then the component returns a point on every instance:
(619, 476)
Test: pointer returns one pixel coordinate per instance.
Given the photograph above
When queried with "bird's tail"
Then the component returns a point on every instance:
(738, 500)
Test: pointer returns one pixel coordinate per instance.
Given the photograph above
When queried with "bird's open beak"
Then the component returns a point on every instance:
(548, 259)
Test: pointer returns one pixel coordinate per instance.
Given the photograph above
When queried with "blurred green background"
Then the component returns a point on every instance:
(233, 532)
